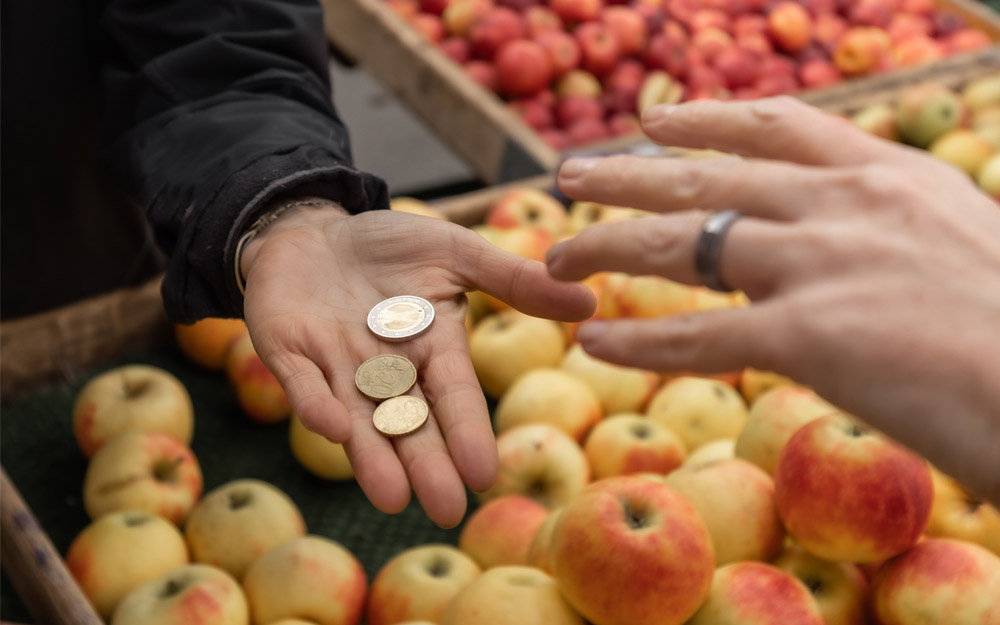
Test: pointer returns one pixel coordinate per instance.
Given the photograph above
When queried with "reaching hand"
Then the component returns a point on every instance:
(312, 278)
(874, 270)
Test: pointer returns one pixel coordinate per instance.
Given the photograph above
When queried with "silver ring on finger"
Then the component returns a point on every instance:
(708, 249)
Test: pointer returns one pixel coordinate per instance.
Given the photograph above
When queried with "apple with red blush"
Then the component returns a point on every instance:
(460, 15)
(818, 73)
(428, 25)
(574, 109)
(790, 26)
(577, 10)
(667, 53)
(562, 49)
(711, 18)
(587, 131)
(457, 49)
(483, 73)
(434, 7)
(534, 113)
(599, 46)
(966, 41)
(737, 66)
(711, 41)
(541, 19)
(493, 29)
(523, 68)
(629, 28)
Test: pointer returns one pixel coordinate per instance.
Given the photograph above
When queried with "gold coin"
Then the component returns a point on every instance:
(400, 415)
(401, 318)
(385, 376)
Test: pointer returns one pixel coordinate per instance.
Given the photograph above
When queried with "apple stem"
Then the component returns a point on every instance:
(634, 519)
(164, 470)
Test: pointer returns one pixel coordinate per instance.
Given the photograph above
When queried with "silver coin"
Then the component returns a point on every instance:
(401, 318)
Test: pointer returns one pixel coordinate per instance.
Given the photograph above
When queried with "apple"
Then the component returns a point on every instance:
(576, 10)
(839, 588)
(629, 28)
(926, 112)
(542, 19)
(240, 521)
(878, 119)
(578, 83)
(646, 297)
(981, 93)
(659, 87)
(666, 53)
(754, 382)
(722, 449)
(523, 68)
(428, 25)
(460, 15)
(562, 49)
(939, 580)
(510, 595)
(698, 410)
(552, 396)
(482, 73)
(847, 493)
(405, 9)
(494, 28)
(625, 124)
(499, 533)
(711, 18)
(508, 344)
(599, 46)
(738, 67)
(819, 73)
(585, 131)
(318, 455)
(145, 472)
(257, 390)
(709, 42)
(916, 50)
(877, 13)
(540, 550)
(727, 490)
(622, 86)
(434, 7)
(967, 41)
(862, 50)
(789, 25)
(534, 113)
(629, 550)
(103, 557)
(828, 28)
(414, 206)
(309, 577)
(754, 593)
(903, 25)
(962, 148)
(131, 398)
(527, 207)
(526, 242)
(627, 443)
(419, 583)
(988, 177)
(773, 418)
(749, 24)
(585, 214)
(958, 514)
(195, 594)
(457, 49)
(205, 342)
(541, 462)
(618, 388)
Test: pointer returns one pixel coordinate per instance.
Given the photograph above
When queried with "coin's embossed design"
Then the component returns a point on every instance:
(385, 376)
(401, 318)
(400, 415)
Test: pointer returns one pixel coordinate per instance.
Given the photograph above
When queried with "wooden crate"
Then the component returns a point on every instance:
(472, 120)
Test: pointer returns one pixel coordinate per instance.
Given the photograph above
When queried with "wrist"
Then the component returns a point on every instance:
(297, 213)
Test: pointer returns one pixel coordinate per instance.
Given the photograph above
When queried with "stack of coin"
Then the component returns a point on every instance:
(387, 377)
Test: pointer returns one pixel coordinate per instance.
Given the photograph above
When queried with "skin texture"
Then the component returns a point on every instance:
(873, 270)
(312, 277)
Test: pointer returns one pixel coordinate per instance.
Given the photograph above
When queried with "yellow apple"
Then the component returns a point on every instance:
(632, 443)
(958, 514)
(585, 214)
(619, 389)
(988, 176)
(736, 501)
(982, 92)
(551, 396)
(206, 342)
(131, 398)
(526, 207)
(142, 471)
(500, 532)
(754, 383)
(310, 577)
(120, 551)
(624, 295)
(698, 410)
(839, 588)
(196, 594)
(527, 242)
(964, 149)
(510, 595)
(419, 583)
(508, 344)
(318, 455)
(240, 521)
(541, 462)
(754, 593)
(722, 449)
(540, 550)
(415, 207)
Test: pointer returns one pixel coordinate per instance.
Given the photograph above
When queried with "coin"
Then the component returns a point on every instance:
(385, 376)
(400, 415)
(401, 318)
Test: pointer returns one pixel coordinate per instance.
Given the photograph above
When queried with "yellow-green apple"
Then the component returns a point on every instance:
(990, 132)
(510, 595)
(964, 149)
(318, 455)
(619, 389)
(257, 390)
(773, 418)
(311, 577)
(540, 550)
(196, 594)
(926, 111)
(541, 462)
(240, 521)
(755, 593)
(698, 410)
(988, 177)
(120, 551)
(982, 93)
(736, 501)
(414, 206)
(627, 443)
(506, 345)
(754, 383)
(878, 119)
(585, 214)
(142, 471)
(958, 514)
(418, 584)
(657, 88)
(578, 83)
(527, 207)
(847, 493)
(131, 398)
(500, 531)
(550, 396)
(206, 342)
(630, 550)
(985, 117)
(722, 449)
(939, 580)
(839, 588)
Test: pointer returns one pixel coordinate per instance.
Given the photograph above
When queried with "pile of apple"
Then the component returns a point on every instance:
(959, 126)
(580, 70)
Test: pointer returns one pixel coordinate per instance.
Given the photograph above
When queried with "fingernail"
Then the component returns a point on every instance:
(657, 113)
(554, 253)
(576, 167)
(591, 331)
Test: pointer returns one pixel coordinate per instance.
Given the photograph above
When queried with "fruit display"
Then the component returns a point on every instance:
(578, 71)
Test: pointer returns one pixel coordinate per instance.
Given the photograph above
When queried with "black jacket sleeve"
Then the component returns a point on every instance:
(213, 108)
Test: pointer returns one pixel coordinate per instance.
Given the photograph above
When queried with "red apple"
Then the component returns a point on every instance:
(483, 73)
(435, 7)
(828, 29)
(818, 73)
(577, 10)
(457, 49)
(711, 18)
(533, 113)
(705, 79)
(556, 139)
(904, 25)
(587, 131)
(462, 14)
(563, 50)
(624, 124)
(542, 19)
(629, 28)
(404, 8)
(577, 108)
(518, 5)
(257, 390)
(493, 29)
(599, 46)
(862, 50)
(754, 593)
(916, 50)
(967, 40)
(876, 13)
(666, 53)
(523, 68)
(790, 26)
(710, 42)
(621, 87)
(738, 67)
(430, 26)
(750, 24)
